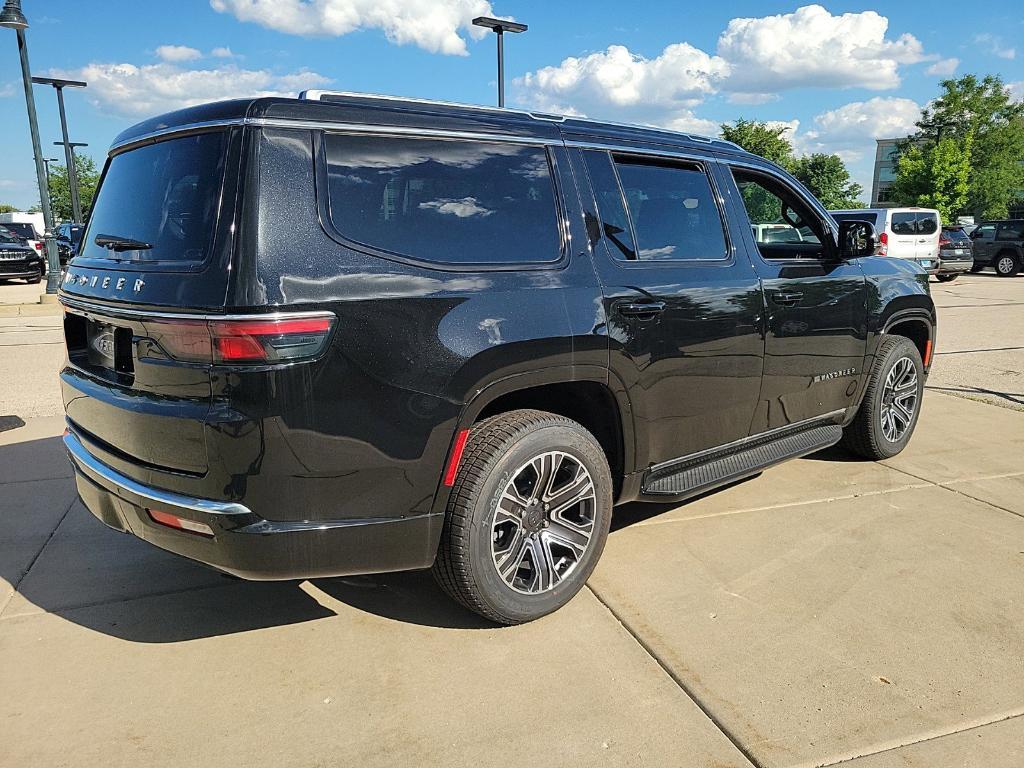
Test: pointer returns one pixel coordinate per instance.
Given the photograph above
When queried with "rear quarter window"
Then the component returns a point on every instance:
(451, 202)
(1013, 230)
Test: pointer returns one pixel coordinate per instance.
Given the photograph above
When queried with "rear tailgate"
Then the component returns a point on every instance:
(157, 248)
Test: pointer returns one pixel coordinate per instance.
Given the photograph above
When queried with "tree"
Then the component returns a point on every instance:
(935, 176)
(982, 113)
(761, 139)
(60, 189)
(8, 208)
(827, 178)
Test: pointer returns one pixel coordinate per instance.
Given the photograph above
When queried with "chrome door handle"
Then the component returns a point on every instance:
(787, 299)
(643, 310)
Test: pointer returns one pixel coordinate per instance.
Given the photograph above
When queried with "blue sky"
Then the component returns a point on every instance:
(839, 75)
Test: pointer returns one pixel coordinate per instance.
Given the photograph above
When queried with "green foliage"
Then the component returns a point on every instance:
(60, 189)
(8, 208)
(761, 139)
(935, 176)
(986, 123)
(824, 175)
(827, 178)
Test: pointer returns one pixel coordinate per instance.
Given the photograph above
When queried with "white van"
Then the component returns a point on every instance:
(29, 226)
(903, 233)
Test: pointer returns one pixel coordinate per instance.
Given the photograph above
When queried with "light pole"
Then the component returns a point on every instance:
(46, 164)
(500, 27)
(12, 18)
(69, 155)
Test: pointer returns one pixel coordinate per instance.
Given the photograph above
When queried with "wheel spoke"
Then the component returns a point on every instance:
(510, 506)
(582, 487)
(545, 466)
(568, 536)
(508, 564)
(544, 576)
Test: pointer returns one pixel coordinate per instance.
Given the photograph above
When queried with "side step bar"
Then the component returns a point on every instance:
(688, 477)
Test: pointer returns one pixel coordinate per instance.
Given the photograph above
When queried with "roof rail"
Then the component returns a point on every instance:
(317, 95)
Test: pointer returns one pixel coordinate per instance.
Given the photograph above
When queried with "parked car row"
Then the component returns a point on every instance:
(22, 252)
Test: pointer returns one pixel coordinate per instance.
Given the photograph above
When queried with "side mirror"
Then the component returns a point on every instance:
(856, 239)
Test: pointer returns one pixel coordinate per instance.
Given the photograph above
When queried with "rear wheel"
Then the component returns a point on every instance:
(947, 278)
(976, 267)
(1007, 264)
(528, 516)
(888, 415)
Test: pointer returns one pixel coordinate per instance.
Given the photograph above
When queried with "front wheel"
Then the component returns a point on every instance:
(528, 516)
(1007, 264)
(892, 402)
(947, 278)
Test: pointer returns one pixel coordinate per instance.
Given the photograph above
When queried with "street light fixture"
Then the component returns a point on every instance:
(500, 27)
(12, 18)
(59, 85)
(46, 164)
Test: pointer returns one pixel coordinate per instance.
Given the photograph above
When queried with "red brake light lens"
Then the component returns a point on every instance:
(246, 341)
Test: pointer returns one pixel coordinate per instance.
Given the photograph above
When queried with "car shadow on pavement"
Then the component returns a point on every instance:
(62, 560)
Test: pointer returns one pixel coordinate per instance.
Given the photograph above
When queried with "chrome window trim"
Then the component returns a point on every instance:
(86, 463)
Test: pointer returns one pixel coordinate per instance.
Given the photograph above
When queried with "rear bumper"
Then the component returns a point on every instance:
(245, 544)
(954, 266)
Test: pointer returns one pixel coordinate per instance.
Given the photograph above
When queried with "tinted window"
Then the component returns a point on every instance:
(614, 223)
(23, 230)
(6, 236)
(869, 217)
(783, 224)
(1013, 230)
(957, 235)
(164, 194)
(673, 211)
(985, 231)
(927, 223)
(446, 201)
(904, 223)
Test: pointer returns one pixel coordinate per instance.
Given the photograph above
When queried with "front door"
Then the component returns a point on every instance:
(681, 303)
(983, 240)
(815, 304)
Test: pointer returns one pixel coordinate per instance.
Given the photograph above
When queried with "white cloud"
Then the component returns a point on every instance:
(752, 98)
(223, 53)
(812, 48)
(1016, 90)
(129, 89)
(996, 46)
(438, 26)
(177, 53)
(943, 67)
(850, 130)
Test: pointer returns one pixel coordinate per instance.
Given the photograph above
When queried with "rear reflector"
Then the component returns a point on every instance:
(180, 523)
(927, 353)
(455, 458)
(256, 340)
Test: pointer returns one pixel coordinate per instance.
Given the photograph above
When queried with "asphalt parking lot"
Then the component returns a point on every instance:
(828, 611)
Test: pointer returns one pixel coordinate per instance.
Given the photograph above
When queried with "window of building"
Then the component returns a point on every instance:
(458, 202)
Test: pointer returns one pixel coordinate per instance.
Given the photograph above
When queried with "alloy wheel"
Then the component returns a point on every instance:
(899, 399)
(1005, 265)
(543, 522)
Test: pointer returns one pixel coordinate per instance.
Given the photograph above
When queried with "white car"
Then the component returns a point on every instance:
(903, 233)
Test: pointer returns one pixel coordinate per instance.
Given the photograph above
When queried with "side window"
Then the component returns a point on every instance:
(985, 232)
(904, 223)
(1013, 230)
(456, 202)
(927, 224)
(673, 211)
(614, 223)
(783, 224)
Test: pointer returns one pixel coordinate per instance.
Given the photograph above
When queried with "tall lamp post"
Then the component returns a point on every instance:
(12, 18)
(46, 165)
(69, 155)
(500, 27)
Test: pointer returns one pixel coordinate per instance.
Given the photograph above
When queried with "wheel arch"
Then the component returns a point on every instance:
(916, 326)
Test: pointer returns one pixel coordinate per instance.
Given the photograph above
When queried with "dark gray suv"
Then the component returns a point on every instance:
(1000, 245)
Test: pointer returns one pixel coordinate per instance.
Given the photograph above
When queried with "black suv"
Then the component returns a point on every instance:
(1000, 245)
(346, 334)
(18, 258)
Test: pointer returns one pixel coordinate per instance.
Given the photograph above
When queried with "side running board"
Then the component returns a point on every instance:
(690, 476)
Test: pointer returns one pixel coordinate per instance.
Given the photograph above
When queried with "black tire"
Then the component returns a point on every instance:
(976, 267)
(866, 435)
(497, 452)
(1006, 264)
(947, 278)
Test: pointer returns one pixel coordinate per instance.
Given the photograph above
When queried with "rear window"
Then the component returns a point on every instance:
(872, 218)
(927, 223)
(456, 202)
(904, 223)
(165, 195)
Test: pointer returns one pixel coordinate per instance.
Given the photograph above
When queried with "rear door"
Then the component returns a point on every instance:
(928, 226)
(681, 303)
(815, 304)
(157, 246)
(903, 235)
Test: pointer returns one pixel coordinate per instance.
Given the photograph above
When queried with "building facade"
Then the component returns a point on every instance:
(885, 171)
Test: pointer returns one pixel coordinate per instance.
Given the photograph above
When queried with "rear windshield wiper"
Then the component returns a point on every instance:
(118, 243)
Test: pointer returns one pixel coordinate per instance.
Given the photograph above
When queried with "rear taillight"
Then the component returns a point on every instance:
(38, 246)
(883, 244)
(249, 341)
(944, 240)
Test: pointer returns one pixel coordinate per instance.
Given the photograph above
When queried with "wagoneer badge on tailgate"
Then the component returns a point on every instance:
(110, 283)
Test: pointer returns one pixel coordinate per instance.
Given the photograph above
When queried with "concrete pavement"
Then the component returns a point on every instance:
(828, 610)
